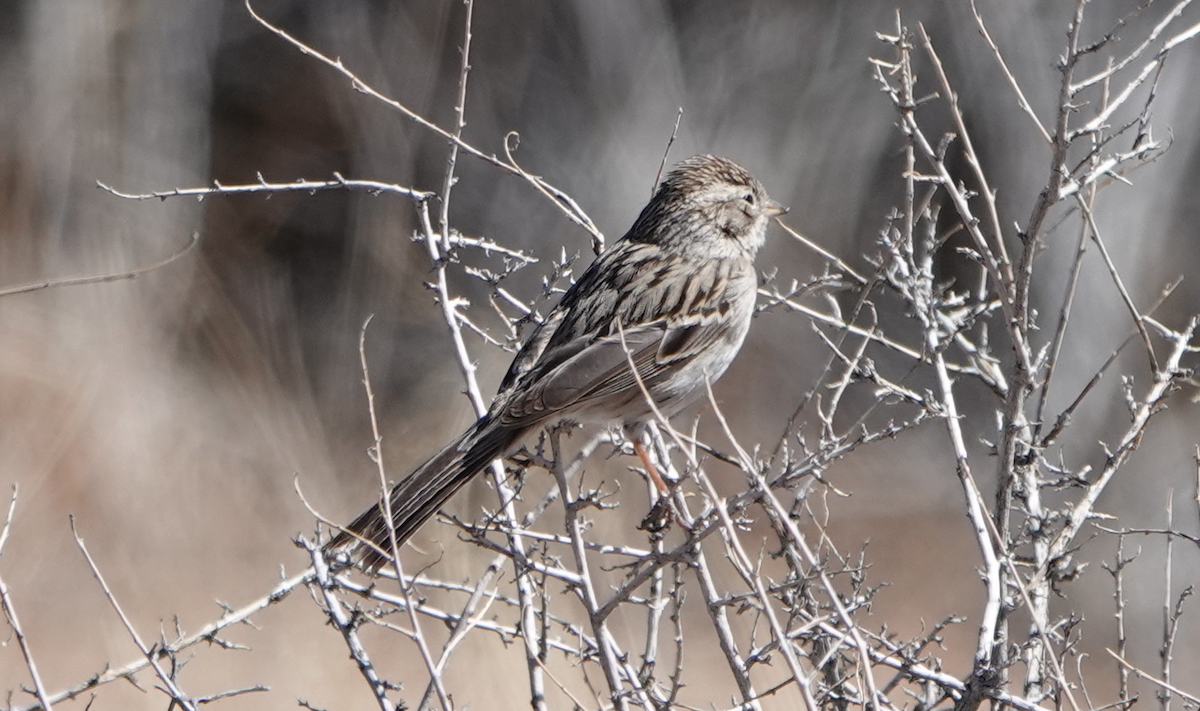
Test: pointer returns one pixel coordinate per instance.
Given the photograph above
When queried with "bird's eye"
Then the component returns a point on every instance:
(749, 197)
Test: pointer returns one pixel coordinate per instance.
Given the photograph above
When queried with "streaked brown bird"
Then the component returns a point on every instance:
(673, 298)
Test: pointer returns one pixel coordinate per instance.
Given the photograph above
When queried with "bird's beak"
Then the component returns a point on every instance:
(774, 209)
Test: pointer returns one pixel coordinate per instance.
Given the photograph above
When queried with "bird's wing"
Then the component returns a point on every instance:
(587, 369)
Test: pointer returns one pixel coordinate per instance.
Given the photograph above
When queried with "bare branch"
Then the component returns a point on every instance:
(151, 655)
(100, 279)
(564, 202)
(374, 187)
(1148, 677)
(10, 613)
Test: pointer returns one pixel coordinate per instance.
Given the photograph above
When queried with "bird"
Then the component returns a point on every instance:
(673, 299)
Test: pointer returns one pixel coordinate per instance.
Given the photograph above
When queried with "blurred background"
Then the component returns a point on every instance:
(170, 414)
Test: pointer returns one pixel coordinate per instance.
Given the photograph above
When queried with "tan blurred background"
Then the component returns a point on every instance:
(170, 414)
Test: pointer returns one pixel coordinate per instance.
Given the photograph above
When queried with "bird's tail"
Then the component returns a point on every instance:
(422, 493)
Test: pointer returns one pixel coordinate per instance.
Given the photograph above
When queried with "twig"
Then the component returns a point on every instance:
(460, 108)
(560, 199)
(831, 257)
(418, 635)
(262, 186)
(100, 279)
(1118, 573)
(8, 519)
(151, 654)
(795, 538)
(347, 625)
(208, 633)
(586, 590)
(1012, 81)
(1150, 67)
(10, 613)
(1164, 381)
(470, 617)
(1132, 56)
(1002, 275)
(1116, 277)
(1173, 689)
(666, 151)
(1060, 422)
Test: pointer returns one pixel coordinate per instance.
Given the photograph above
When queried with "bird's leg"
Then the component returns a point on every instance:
(651, 470)
(662, 514)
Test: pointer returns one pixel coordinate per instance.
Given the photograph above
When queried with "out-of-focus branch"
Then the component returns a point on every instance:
(102, 278)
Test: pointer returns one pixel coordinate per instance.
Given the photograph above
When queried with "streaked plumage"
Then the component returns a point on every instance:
(679, 287)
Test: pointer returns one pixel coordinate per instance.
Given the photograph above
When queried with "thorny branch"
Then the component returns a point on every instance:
(1023, 526)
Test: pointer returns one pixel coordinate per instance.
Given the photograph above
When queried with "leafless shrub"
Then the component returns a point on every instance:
(748, 586)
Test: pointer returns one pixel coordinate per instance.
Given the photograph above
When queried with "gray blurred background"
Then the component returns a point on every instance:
(170, 414)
